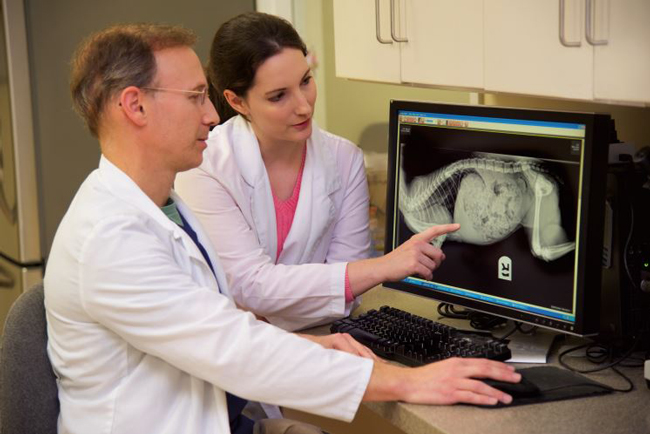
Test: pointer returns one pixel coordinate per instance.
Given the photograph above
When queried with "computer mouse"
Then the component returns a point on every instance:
(524, 389)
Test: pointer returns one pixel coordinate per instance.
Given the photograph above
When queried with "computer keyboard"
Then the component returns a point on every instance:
(397, 335)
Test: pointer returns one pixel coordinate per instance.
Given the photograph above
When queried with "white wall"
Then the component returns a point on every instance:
(65, 151)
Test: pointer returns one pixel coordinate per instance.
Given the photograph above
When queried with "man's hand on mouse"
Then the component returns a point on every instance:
(458, 380)
(450, 381)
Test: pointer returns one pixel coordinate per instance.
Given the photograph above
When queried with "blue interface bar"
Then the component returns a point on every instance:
(494, 120)
(491, 299)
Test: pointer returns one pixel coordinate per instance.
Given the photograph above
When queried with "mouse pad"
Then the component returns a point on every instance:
(556, 384)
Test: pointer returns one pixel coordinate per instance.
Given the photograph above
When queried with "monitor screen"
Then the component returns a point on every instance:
(526, 186)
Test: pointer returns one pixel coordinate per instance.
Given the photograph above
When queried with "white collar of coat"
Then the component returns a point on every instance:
(126, 189)
(320, 180)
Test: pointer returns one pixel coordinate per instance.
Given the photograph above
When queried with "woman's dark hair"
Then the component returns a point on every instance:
(239, 47)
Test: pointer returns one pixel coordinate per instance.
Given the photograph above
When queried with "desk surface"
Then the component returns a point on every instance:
(607, 414)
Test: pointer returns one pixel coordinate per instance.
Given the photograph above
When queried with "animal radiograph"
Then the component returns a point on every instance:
(491, 197)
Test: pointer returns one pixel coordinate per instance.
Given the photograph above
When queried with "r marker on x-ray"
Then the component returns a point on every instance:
(505, 268)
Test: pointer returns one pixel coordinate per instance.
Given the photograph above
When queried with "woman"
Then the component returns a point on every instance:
(284, 202)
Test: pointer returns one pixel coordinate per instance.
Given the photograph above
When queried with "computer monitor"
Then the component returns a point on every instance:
(527, 187)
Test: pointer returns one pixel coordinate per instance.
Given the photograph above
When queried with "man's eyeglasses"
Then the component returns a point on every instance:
(201, 94)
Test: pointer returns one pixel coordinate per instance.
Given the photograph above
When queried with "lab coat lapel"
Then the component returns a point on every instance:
(220, 274)
(193, 251)
(316, 210)
(249, 160)
(125, 188)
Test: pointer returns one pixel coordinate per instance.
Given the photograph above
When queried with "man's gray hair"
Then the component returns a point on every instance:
(115, 58)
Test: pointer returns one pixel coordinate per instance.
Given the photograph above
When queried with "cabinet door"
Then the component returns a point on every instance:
(358, 53)
(622, 67)
(523, 52)
(445, 43)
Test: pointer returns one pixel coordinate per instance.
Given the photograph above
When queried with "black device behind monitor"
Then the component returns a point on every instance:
(625, 308)
(527, 187)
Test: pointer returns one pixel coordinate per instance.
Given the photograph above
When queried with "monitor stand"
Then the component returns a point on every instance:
(531, 348)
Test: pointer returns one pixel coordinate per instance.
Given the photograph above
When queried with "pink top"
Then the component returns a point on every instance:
(285, 210)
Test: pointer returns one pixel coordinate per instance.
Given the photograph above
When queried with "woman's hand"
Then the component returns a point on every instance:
(417, 255)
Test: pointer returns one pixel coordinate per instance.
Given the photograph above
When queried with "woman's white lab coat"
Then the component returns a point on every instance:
(231, 195)
(145, 339)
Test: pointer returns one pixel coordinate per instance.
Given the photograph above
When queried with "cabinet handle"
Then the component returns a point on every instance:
(563, 40)
(589, 27)
(378, 26)
(392, 24)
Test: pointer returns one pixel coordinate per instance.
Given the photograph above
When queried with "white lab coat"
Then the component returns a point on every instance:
(230, 193)
(144, 339)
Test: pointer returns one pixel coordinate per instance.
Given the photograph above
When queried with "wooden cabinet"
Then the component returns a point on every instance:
(577, 49)
(410, 41)
(358, 26)
(592, 50)
(524, 53)
(622, 65)
(445, 43)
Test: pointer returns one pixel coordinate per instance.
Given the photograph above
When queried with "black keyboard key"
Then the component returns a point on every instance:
(412, 340)
(363, 336)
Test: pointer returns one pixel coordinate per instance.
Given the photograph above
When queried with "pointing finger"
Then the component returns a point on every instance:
(435, 231)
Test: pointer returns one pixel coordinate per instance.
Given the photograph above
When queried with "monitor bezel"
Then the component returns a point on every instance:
(597, 139)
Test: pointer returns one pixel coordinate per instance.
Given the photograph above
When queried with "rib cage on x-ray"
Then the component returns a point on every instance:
(430, 199)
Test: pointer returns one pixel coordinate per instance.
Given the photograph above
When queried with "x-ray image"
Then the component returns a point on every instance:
(491, 196)
(516, 198)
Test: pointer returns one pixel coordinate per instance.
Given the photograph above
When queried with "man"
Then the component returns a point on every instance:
(143, 334)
